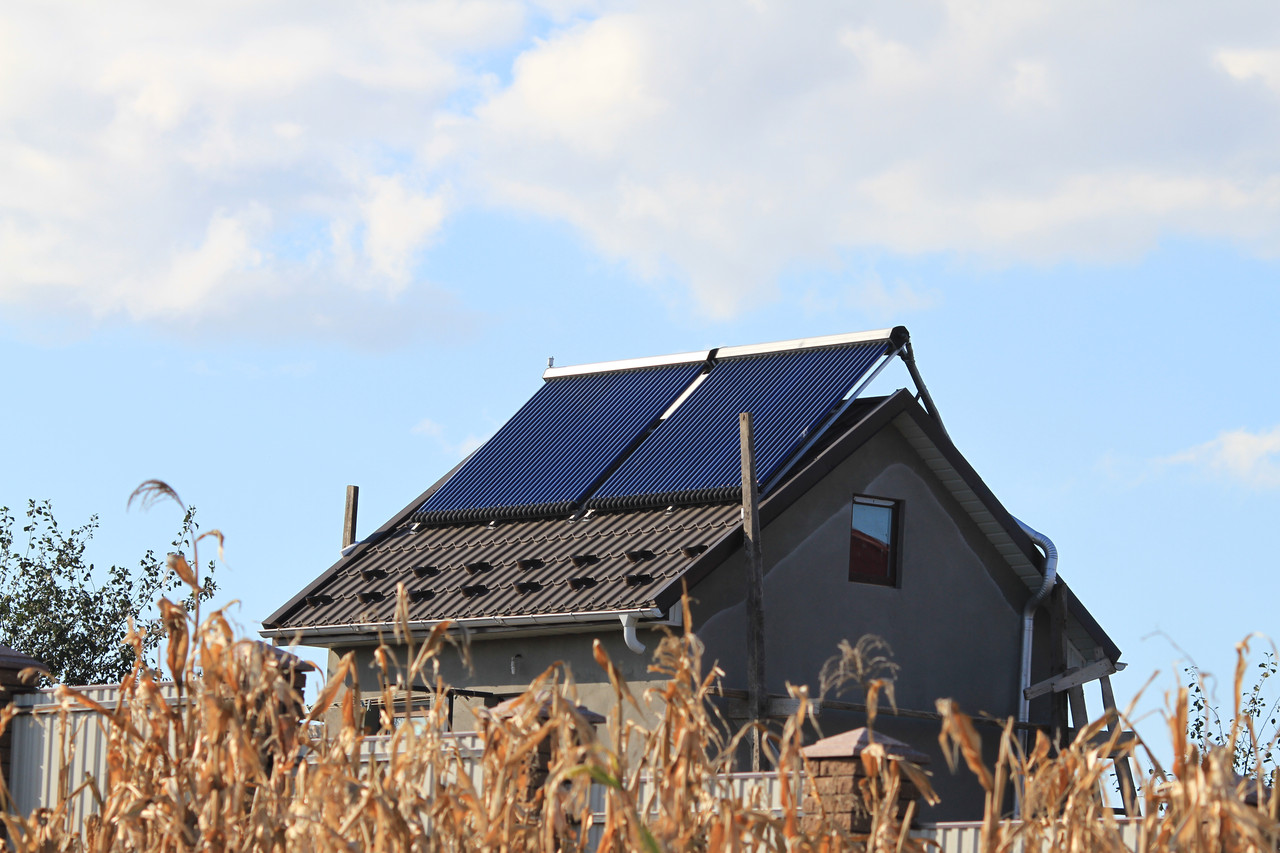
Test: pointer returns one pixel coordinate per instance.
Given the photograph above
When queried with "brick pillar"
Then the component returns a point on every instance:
(542, 758)
(838, 773)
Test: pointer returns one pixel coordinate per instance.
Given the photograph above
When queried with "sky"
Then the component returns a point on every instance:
(265, 250)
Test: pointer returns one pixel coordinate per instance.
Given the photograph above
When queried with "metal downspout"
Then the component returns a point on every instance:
(629, 622)
(1029, 614)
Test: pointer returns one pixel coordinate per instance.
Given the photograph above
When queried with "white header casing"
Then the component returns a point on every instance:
(627, 364)
(806, 343)
(722, 352)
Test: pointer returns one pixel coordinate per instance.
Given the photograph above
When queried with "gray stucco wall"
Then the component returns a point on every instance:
(953, 621)
(492, 663)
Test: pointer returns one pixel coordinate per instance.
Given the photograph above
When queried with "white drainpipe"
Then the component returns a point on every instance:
(629, 621)
(1029, 615)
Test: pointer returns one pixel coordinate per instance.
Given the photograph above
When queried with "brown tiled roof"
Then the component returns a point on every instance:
(527, 568)
(599, 562)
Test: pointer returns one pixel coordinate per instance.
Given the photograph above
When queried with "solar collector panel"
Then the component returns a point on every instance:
(550, 454)
(695, 452)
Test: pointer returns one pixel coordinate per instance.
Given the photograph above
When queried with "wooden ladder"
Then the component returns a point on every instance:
(1122, 753)
(1069, 685)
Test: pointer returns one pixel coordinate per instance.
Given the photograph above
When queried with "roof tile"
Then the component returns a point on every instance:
(535, 551)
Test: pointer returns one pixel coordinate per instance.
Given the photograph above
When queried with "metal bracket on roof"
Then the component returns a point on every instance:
(909, 358)
(821, 430)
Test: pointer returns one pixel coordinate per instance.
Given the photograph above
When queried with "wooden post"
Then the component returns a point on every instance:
(349, 517)
(755, 584)
(1079, 713)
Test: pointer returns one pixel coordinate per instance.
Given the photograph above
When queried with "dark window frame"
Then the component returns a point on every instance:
(894, 566)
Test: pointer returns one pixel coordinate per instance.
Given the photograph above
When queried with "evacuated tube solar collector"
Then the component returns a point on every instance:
(658, 430)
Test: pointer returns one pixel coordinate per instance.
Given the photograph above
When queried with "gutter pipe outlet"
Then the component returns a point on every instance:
(1029, 614)
(629, 622)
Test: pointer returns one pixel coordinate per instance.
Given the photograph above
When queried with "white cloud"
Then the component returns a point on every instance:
(277, 167)
(398, 223)
(429, 428)
(722, 142)
(436, 432)
(468, 445)
(201, 275)
(1250, 458)
(184, 166)
(584, 90)
(872, 299)
(1245, 65)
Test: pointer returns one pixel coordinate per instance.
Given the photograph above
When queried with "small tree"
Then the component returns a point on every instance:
(1255, 725)
(56, 607)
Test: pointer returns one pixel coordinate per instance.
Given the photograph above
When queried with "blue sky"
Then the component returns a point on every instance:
(265, 251)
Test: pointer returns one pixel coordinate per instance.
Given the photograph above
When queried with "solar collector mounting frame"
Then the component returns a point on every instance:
(534, 466)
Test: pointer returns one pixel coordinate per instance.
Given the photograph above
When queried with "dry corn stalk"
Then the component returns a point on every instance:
(235, 764)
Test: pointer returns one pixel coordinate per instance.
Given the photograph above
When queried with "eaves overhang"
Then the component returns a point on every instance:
(369, 632)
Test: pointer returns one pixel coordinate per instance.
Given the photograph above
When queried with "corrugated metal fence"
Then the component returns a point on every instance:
(52, 758)
(965, 837)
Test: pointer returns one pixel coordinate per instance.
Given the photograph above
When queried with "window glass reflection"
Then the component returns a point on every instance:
(871, 556)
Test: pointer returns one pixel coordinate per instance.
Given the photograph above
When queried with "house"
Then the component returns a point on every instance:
(618, 485)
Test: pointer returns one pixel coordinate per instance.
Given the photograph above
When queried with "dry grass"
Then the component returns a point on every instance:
(235, 766)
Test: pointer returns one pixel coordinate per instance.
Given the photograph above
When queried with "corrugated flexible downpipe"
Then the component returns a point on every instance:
(1029, 614)
(629, 622)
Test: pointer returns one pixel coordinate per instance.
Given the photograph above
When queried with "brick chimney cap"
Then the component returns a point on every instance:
(517, 705)
(286, 659)
(850, 744)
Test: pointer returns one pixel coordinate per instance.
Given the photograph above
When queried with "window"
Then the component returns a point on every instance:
(873, 541)
(413, 708)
